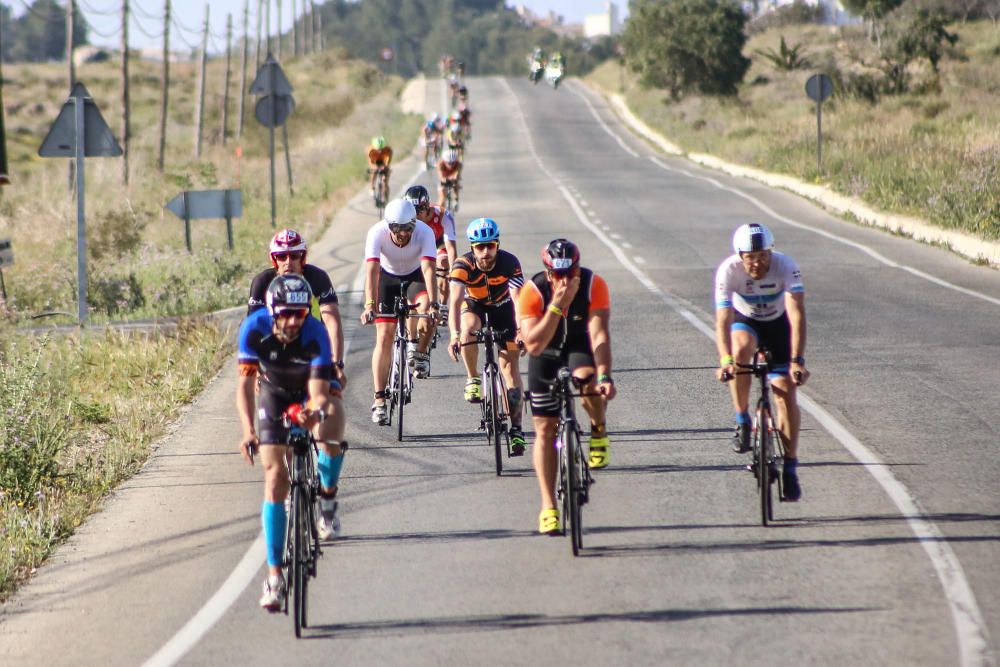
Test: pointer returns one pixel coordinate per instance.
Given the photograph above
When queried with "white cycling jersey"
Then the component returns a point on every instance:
(399, 261)
(762, 299)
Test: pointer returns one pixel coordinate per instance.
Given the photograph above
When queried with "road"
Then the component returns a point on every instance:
(891, 557)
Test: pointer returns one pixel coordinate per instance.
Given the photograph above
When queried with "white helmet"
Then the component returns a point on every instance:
(400, 212)
(752, 237)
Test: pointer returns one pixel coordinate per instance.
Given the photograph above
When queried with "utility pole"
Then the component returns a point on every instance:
(200, 113)
(260, 16)
(243, 65)
(225, 88)
(165, 92)
(278, 38)
(126, 106)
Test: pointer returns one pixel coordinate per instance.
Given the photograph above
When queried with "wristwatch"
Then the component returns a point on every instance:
(339, 364)
(800, 360)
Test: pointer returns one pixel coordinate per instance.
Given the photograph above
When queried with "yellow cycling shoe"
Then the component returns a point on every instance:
(548, 522)
(600, 452)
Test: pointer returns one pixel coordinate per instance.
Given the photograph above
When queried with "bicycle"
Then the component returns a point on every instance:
(493, 406)
(399, 390)
(379, 194)
(302, 549)
(573, 481)
(765, 456)
(451, 196)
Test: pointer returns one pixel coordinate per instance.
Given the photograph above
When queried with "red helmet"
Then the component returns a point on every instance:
(561, 256)
(287, 240)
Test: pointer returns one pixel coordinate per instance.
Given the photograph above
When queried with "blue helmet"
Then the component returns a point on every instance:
(483, 230)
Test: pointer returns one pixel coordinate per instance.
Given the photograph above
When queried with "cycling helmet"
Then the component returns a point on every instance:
(752, 237)
(456, 116)
(561, 256)
(288, 292)
(451, 155)
(463, 90)
(400, 212)
(418, 196)
(378, 143)
(431, 125)
(287, 240)
(483, 230)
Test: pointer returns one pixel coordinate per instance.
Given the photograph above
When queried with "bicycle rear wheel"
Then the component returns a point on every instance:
(575, 488)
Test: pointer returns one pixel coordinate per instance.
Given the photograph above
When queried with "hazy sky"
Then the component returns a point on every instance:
(147, 17)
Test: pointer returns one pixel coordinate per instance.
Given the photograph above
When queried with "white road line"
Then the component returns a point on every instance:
(971, 630)
(833, 237)
(621, 142)
(234, 585)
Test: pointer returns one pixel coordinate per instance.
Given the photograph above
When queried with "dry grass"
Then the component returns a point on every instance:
(933, 153)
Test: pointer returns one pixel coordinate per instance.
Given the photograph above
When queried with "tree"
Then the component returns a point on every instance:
(925, 37)
(684, 45)
(875, 13)
(40, 33)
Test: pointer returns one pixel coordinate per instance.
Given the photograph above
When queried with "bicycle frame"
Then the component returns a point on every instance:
(399, 389)
(494, 408)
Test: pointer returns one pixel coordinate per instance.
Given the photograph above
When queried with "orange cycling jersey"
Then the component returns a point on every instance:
(380, 157)
(448, 171)
(490, 288)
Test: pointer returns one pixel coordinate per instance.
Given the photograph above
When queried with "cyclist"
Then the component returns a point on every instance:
(399, 250)
(453, 136)
(449, 175)
(465, 120)
(487, 280)
(289, 351)
(760, 301)
(431, 137)
(288, 256)
(442, 223)
(379, 159)
(564, 312)
(463, 93)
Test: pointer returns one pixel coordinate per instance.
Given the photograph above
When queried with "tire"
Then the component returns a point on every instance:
(563, 483)
(761, 449)
(298, 561)
(575, 482)
(493, 415)
(400, 395)
(390, 396)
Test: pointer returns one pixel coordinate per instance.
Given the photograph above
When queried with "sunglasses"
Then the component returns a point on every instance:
(288, 256)
(290, 313)
(487, 245)
(396, 228)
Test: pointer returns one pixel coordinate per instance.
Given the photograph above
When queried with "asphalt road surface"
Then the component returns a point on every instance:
(891, 557)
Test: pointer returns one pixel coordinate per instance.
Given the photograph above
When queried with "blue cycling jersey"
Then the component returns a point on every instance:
(285, 367)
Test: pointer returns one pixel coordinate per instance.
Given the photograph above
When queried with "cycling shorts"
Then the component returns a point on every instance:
(389, 288)
(542, 372)
(775, 335)
(501, 317)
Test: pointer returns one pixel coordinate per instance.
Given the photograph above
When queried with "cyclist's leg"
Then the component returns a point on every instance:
(545, 417)
(417, 294)
(273, 514)
(744, 339)
(471, 322)
(385, 183)
(372, 173)
(443, 266)
(504, 318)
(584, 370)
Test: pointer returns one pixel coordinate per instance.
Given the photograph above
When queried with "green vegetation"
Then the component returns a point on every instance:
(77, 415)
(930, 150)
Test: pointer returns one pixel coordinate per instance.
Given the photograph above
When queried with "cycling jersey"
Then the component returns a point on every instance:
(399, 261)
(285, 368)
(762, 299)
(490, 288)
(380, 158)
(448, 171)
(318, 279)
(572, 333)
(453, 138)
(442, 223)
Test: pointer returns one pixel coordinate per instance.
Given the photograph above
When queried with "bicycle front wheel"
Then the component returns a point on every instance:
(574, 458)
(401, 389)
(300, 571)
(762, 450)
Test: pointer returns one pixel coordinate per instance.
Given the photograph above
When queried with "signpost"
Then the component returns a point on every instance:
(80, 132)
(6, 259)
(819, 87)
(272, 110)
(202, 204)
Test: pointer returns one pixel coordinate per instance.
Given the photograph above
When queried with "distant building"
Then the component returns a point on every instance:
(833, 11)
(606, 23)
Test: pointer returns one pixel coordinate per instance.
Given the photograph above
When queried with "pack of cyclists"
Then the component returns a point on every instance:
(291, 344)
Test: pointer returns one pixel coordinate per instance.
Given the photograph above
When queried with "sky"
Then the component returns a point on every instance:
(146, 26)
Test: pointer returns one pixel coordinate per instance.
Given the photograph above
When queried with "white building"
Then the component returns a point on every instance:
(833, 11)
(605, 23)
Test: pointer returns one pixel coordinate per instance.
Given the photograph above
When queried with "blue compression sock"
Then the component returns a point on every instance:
(329, 469)
(742, 417)
(273, 517)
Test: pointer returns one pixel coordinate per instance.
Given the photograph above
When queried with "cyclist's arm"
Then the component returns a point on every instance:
(330, 314)
(795, 305)
(455, 298)
(245, 404)
(371, 283)
(723, 340)
(319, 395)
(537, 329)
(600, 345)
(428, 267)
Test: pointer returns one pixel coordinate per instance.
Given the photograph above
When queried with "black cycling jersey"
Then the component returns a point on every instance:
(318, 279)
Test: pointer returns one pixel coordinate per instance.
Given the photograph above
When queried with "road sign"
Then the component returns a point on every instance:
(819, 87)
(202, 204)
(6, 253)
(271, 79)
(273, 110)
(98, 139)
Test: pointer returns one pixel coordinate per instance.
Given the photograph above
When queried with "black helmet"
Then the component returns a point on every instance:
(561, 256)
(418, 196)
(288, 292)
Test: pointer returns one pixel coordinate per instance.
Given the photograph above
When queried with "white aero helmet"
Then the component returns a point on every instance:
(752, 237)
(400, 212)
